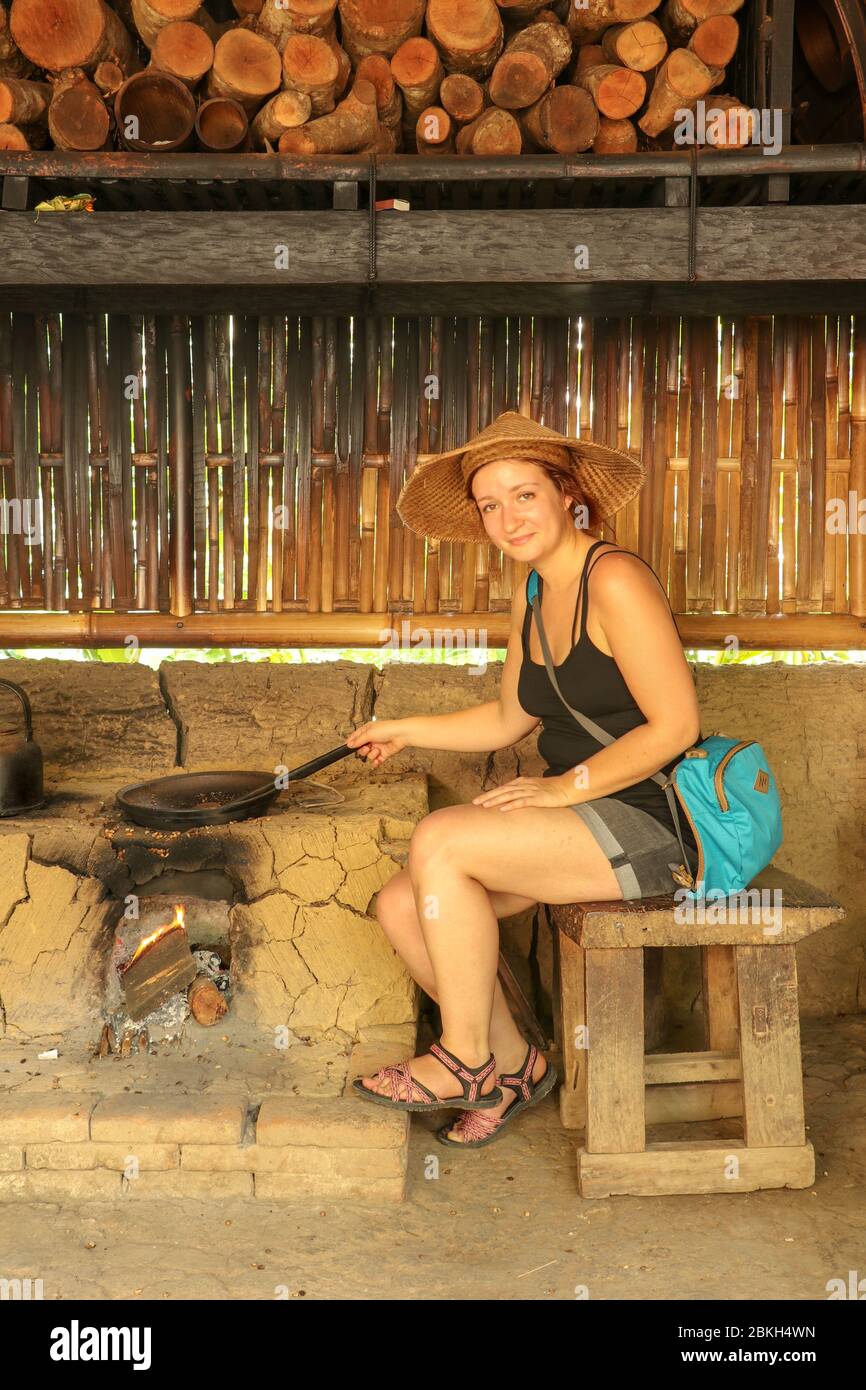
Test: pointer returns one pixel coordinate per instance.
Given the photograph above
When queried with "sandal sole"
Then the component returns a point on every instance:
(488, 1102)
(544, 1087)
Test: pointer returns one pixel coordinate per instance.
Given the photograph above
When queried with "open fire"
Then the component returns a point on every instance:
(178, 921)
(171, 962)
(161, 964)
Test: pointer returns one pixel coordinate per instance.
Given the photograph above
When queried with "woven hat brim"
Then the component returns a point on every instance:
(433, 502)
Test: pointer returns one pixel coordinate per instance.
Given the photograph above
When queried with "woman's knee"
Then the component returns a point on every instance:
(395, 902)
(436, 834)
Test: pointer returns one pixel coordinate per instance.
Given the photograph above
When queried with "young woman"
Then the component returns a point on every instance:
(594, 826)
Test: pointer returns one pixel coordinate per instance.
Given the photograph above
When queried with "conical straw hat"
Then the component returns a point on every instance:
(433, 500)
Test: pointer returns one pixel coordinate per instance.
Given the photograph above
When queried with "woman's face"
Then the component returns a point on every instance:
(523, 511)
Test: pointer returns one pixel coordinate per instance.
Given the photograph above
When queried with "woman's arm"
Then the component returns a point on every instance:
(634, 616)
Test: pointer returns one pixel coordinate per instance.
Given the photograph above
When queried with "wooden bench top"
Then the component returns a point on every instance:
(775, 910)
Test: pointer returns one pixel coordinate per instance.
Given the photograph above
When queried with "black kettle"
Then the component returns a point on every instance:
(21, 787)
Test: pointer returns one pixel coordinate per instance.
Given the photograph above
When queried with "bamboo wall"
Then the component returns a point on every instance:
(162, 448)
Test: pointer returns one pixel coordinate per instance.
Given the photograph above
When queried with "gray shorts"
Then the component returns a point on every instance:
(640, 849)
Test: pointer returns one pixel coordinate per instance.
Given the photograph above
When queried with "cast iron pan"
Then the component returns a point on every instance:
(210, 798)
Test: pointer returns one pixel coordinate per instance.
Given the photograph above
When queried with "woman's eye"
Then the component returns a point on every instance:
(521, 496)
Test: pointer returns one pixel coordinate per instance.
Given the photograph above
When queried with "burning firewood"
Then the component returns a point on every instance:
(206, 1002)
(161, 965)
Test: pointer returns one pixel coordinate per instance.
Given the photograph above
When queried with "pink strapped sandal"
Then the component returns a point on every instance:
(478, 1130)
(421, 1098)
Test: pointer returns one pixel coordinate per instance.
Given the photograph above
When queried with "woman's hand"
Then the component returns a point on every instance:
(378, 739)
(525, 791)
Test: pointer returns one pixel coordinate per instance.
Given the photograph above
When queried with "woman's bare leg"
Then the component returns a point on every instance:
(398, 917)
(397, 914)
(458, 857)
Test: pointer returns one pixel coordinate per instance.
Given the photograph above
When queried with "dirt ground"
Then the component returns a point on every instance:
(503, 1223)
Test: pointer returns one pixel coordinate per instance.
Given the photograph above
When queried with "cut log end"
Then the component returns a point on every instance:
(468, 34)
(60, 34)
(518, 80)
(564, 121)
(78, 118)
(415, 63)
(494, 132)
(639, 46)
(462, 97)
(184, 50)
(433, 131)
(246, 67)
(11, 138)
(615, 137)
(221, 126)
(715, 40)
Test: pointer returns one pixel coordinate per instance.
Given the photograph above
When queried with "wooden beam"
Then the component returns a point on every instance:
(678, 1067)
(670, 1168)
(345, 627)
(802, 910)
(841, 158)
(615, 1028)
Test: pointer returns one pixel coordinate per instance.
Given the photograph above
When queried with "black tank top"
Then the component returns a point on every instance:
(592, 682)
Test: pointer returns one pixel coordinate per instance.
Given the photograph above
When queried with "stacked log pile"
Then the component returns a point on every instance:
(308, 77)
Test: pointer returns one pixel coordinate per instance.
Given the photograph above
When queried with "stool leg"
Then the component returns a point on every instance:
(719, 974)
(770, 1045)
(615, 1116)
(570, 1025)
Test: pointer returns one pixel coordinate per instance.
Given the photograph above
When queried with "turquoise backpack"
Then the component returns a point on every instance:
(727, 792)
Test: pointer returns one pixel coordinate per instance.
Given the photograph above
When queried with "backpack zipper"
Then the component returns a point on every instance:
(692, 880)
(717, 775)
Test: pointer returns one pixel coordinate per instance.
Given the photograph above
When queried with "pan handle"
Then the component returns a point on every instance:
(294, 775)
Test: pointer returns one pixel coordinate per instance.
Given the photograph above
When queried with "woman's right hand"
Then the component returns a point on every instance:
(378, 739)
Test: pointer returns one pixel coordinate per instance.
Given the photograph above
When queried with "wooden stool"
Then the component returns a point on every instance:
(751, 1068)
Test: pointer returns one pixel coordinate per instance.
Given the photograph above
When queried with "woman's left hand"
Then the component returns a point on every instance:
(524, 791)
